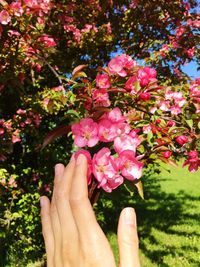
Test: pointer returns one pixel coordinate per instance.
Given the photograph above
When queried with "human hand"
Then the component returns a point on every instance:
(72, 236)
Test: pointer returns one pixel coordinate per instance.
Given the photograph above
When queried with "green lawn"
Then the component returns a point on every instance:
(168, 219)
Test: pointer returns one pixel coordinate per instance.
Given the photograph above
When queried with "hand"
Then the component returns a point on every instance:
(72, 236)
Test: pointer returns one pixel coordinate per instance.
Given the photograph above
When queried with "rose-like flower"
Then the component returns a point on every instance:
(89, 162)
(105, 170)
(146, 75)
(107, 130)
(85, 132)
(115, 115)
(103, 81)
(145, 96)
(129, 166)
(126, 142)
(181, 139)
(130, 84)
(101, 97)
(118, 65)
(166, 154)
(193, 161)
(47, 40)
(16, 136)
(4, 17)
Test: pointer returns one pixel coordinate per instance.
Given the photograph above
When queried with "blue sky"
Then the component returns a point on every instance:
(191, 69)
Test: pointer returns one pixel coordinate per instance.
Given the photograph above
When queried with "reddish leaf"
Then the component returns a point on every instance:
(117, 89)
(78, 69)
(98, 112)
(57, 132)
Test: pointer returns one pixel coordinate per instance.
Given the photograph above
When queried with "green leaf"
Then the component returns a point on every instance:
(137, 86)
(189, 123)
(72, 112)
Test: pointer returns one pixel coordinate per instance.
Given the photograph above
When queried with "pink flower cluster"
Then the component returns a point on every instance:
(193, 161)
(173, 102)
(120, 64)
(144, 77)
(113, 131)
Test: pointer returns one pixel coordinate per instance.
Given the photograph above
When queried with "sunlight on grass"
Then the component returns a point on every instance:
(168, 219)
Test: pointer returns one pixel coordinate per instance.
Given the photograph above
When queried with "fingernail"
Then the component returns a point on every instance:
(58, 169)
(80, 159)
(42, 202)
(129, 216)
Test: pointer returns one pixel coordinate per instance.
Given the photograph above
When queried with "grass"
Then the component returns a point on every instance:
(168, 219)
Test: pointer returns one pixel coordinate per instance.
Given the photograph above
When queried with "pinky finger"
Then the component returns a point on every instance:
(47, 230)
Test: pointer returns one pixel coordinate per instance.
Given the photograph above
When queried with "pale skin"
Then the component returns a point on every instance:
(72, 236)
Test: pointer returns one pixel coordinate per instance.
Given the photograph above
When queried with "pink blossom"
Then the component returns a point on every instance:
(21, 111)
(171, 123)
(4, 17)
(16, 8)
(190, 52)
(129, 166)
(100, 97)
(193, 161)
(16, 136)
(146, 75)
(2, 131)
(107, 130)
(89, 162)
(115, 115)
(113, 183)
(12, 182)
(166, 154)
(105, 170)
(47, 40)
(118, 65)
(59, 88)
(180, 31)
(128, 62)
(13, 33)
(146, 129)
(85, 133)
(46, 101)
(175, 110)
(126, 142)
(181, 139)
(103, 81)
(130, 84)
(145, 96)
(164, 105)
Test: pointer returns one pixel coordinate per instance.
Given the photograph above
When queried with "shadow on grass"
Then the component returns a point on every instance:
(160, 211)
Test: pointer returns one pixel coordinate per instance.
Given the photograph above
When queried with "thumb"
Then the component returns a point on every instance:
(128, 239)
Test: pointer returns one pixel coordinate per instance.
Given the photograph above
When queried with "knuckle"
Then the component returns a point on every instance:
(130, 240)
(78, 200)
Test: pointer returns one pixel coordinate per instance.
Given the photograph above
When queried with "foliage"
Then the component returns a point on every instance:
(42, 41)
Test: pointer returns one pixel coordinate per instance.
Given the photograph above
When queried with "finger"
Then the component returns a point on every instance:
(93, 241)
(128, 239)
(69, 230)
(59, 169)
(47, 230)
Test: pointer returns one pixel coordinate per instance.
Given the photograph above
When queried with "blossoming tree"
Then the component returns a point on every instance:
(121, 115)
